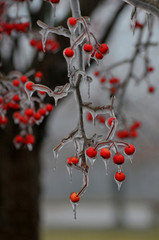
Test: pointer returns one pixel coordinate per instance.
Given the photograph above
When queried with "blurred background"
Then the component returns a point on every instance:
(34, 199)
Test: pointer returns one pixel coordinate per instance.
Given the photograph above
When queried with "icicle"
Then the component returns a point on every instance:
(68, 61)
(40, 56)
(54, 9)
(133, 19)
(17, 145)
(106, 162)
(91, 160)
(69, 169)
(29, 93)
(119, 184)
(119, 168)
(74, 205)
(30, 147)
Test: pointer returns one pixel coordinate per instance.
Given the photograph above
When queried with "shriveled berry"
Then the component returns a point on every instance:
(91, 152)
(74, 197)
(105, 153)
(118, 159)
(130, 149)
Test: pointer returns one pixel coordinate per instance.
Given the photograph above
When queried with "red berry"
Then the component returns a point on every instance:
(16, 98)
(113, 90)
(137, 124)
(69, 161)
(101, 119)
(16, 82)
(150, 69)
(75, 160)
(33, 42)
(54, 1)
(23, 79)
(133, 134)
(68, 52)
(49, 107)
(72, 21)
(29, 139)
(74, 197)
(37, 116)
(89, 116)
(103, 48)
(151, 89)
(130, 149)
(87, 47)
(38, 75)
(91, 152)
(114, 80)
(1, 99)
(120, 176)
(29, 86)
(110, 120)
(29, 112)
(98, 55)
(118, 158)
(18, 139)
(103, 80)
(96, 73)
(105, 153)
(42, 111)
(138, 25)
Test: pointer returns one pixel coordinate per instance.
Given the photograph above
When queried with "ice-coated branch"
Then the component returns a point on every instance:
(151, 6)
(57, 30)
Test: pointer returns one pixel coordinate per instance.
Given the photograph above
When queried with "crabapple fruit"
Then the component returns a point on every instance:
(118, 159)
(91, 152)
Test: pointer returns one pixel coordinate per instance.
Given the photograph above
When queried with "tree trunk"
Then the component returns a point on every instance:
(19, 191)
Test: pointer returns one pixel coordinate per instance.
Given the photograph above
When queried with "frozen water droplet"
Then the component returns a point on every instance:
(17, 145)
(55, 161)
(30, 147)
(54, 9)
(119, 184)
(106, 162)
(130, 158)
(119, 168)
(91, 160)
(69, 169)
(74, 205)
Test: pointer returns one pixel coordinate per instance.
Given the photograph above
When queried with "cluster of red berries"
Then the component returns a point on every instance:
(95, 50)
(18, 27)
(50, 46)
(131, 132)
(16, 99)
(106, 154)
(112, 83)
